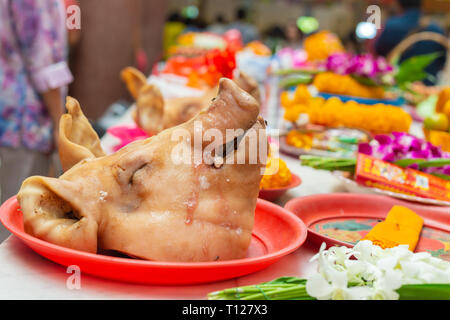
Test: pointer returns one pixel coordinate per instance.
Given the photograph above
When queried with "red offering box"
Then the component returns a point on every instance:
(376, 173)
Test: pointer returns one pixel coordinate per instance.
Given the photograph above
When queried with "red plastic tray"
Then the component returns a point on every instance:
(274, 194)
(345, 218)
(276, 233)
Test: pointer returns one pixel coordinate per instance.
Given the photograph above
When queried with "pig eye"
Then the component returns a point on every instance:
(137, 174)
(129, 167)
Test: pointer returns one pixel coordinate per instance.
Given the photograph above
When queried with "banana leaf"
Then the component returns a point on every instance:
(413, 69)
(424, 292)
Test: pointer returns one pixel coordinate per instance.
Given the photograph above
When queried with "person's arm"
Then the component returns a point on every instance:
(42, 37)
(54, 103)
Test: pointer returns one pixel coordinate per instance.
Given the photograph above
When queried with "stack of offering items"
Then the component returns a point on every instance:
(376, 173)
(400, 163)
(437, 125)
(379, 118)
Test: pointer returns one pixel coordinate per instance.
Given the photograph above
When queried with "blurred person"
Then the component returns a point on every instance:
(342, 18)
(352, 44)
(248, 31)
(293, 36)
(172, 29)
(274, 37)
(115, 33)
(408, 21)
(194, 25)
(219, 26)
(33, 76)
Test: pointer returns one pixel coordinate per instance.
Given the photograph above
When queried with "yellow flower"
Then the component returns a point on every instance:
(302, 94)
(286, 100)
(443, 98)
(321, 45)
(280, 179)
(299, 139)
(378, 118)
(330, 82)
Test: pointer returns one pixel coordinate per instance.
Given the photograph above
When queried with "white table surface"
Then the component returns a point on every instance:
(26, 275)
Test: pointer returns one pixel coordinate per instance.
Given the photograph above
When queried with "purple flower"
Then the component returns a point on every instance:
(416, 145)
(401, 145)
(422, 154)
(383, 139)
(414, 166)
(435, 151)
(362, 65)
(365, 148)
(390, 157)
(383, 65)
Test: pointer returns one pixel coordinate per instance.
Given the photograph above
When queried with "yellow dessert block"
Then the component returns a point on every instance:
(401, 226)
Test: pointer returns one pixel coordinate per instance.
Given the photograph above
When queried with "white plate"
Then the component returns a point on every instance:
(354, 187)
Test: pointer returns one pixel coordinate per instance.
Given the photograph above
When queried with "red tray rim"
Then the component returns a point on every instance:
(295, 222)
(428, 222)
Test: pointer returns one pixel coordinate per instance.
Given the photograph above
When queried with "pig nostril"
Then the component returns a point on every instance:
(72, 215)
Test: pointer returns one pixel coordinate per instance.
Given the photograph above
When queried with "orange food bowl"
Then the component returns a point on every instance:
(274, 194)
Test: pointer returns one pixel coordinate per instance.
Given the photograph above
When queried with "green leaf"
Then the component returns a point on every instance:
(365, 81)
(284, 288)
(423, 163)
(434, 163)
(413, 69)
(407, 162)
(424, 292)
(328, 163)
(442, 176)
(295, 80)
(287, 280)
(285, 72)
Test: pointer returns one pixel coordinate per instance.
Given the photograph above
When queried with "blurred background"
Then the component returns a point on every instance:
(113, 30)
(347, 50)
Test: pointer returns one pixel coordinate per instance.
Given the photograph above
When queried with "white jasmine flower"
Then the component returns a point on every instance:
(369, 272)
(320, 287)
(340, 254)
(385, 286)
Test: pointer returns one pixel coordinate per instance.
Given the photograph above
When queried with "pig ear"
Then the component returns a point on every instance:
(150, 109)
(134, 80)
(77, 140)
(50, 212)
(248, 84)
